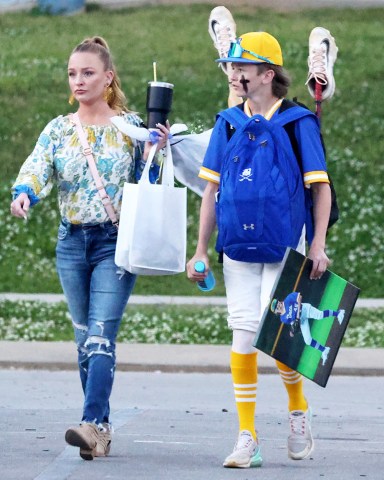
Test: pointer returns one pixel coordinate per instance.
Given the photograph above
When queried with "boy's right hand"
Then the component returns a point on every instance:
(191, 272)
(20, 206)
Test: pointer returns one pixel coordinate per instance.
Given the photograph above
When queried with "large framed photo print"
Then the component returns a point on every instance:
(305, 321)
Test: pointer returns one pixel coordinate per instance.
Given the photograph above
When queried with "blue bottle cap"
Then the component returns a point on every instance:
(200, 267)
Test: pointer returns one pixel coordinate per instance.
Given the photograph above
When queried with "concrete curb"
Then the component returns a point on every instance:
(171, 358)
(161, 299)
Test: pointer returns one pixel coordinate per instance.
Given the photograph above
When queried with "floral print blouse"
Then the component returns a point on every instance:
(58, 158)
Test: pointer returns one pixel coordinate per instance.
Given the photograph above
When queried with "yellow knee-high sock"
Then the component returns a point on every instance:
(244, 376)
(293, 382)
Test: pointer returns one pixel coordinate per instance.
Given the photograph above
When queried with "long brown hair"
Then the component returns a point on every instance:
(99, 46)
(281, 81)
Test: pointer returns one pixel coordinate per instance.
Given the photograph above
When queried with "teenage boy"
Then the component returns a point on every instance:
(256, 74)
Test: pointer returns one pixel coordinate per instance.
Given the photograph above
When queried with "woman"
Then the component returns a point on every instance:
(96, 292)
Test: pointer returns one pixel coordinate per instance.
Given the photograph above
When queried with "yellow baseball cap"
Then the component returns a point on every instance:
(254, 47)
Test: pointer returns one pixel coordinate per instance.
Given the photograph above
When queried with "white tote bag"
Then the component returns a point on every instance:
(152, 233)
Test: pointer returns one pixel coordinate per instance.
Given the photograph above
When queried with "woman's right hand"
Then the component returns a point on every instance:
(20, 206)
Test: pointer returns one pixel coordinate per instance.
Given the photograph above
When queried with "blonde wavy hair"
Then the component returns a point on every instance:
(99, 46)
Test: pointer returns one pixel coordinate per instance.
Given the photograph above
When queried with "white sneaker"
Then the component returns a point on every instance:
(300, 441)
(322, 56)
(340, 316)
(222, 29)
(324, 354)
(246, 453)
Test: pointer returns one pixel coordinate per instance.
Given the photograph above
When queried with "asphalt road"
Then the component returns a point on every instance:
(181, 426)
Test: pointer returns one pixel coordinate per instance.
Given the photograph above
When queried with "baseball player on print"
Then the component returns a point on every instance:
(297, 314)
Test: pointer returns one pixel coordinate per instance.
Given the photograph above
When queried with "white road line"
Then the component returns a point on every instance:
(162, 441)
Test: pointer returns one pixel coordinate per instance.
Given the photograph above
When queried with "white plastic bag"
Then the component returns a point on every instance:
(188, 154)
(153, 224)
(188, 151)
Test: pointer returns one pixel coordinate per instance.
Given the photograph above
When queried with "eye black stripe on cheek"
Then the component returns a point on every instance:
(244, 82)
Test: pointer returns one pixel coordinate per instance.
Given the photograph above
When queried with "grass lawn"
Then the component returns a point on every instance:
(25, 320)
(33, 85)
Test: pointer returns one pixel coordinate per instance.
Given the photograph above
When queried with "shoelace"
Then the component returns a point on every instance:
(297, 423)
(223, 40)
(106, 427)
(245, 441)
(317, 69)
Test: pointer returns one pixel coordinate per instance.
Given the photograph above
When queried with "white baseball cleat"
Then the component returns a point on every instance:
(324, 355)
(222, 29)
(340, 316)
(322, 56)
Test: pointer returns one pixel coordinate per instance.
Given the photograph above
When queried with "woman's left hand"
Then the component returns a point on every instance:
(162, 132)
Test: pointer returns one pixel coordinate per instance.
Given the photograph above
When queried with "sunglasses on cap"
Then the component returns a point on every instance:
(236, 51)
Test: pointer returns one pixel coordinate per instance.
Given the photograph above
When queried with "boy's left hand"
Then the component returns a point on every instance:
(320, 261)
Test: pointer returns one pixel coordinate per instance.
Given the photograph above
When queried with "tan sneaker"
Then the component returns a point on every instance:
(92, 441)
(103, 445)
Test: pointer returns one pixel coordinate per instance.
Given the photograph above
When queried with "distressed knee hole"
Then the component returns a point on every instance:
(97, 345)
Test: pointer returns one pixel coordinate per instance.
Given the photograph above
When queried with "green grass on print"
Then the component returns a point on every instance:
(320, 329)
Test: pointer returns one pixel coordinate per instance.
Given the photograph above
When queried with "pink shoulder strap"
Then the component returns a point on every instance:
(92, 166)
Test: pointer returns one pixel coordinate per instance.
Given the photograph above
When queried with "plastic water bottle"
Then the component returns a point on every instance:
(209, 281)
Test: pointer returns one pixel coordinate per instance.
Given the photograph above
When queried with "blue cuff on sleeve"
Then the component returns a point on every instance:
(28, 190)
(154, 171)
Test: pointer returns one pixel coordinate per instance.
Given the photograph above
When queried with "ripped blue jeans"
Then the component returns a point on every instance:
(97, 296)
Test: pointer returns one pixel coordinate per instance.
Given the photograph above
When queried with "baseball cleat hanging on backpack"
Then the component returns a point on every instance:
(222, 29)
(322, 56)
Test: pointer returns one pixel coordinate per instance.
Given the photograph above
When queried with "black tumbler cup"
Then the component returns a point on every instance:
(159, 102)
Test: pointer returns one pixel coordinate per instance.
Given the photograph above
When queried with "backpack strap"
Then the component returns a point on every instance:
(234, 116)
(290, 111)
(291, 115)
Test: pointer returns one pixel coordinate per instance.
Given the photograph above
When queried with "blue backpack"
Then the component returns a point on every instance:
(260, 206)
